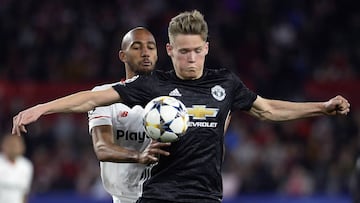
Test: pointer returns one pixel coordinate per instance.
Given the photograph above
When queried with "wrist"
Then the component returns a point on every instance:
(135, 157)
(324, 107)
(42, 109)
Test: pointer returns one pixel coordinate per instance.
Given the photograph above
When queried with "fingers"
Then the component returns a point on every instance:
(153, 151)
(158, 151)
(156, 144)
(18, 127)
(155, 148)
(342, 105)
(15, 128)
(152, 159)
(337, 106)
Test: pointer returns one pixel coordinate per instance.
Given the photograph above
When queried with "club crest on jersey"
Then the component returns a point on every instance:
(218, 92)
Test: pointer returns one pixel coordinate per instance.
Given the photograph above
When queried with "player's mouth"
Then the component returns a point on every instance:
(146, 63)
(191, 69)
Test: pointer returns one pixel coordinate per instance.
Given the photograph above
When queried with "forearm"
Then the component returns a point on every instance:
(276, 110)
(105, 148)
(115, 153)
(284, 110)
(78, 102)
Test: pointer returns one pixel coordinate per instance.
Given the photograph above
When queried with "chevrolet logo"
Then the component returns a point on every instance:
(201, 112)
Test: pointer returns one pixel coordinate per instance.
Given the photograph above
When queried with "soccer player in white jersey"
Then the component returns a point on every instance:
(16, 171)
(117, 130)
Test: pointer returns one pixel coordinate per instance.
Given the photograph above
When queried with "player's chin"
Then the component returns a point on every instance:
(192, 74)
(145, 70)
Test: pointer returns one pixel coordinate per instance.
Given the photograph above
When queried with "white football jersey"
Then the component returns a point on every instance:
(121, 179)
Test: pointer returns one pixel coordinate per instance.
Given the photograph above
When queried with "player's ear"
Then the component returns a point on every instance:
(122, 56)
(169, 49)
(206, 48)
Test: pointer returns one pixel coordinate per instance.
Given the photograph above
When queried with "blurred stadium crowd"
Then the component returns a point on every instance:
(281, 49)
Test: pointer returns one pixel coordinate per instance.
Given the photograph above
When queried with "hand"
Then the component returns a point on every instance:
(150, 154)
(25, 117)
(337, 106)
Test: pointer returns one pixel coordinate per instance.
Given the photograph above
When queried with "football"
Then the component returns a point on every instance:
(165, 119)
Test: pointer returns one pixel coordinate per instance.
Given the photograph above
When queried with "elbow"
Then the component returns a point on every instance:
(268, 118)
(102, 153)
(85, 107)
(272, 117)
(265, 118)
(265, 115)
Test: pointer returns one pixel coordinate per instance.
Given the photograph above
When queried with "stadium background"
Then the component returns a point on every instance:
(293, 50)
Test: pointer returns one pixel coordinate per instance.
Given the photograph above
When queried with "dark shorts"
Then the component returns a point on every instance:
(147, 200)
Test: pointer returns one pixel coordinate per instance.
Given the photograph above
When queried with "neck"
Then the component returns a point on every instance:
(129, 74)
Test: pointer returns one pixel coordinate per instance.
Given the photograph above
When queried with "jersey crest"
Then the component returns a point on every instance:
(218, 92)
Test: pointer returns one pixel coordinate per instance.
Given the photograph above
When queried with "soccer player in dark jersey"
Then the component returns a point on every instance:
(192, 172)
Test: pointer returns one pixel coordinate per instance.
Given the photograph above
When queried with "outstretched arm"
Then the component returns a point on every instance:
(78, 102)
(107, 150)
(277, 110)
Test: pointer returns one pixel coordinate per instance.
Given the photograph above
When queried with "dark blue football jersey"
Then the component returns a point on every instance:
(192, 172)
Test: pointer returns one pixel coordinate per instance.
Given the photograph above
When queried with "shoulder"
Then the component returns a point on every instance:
(25, 162)
(153, 76)
(218, 70)
(162, 73)
(104, 86)
(220, 73)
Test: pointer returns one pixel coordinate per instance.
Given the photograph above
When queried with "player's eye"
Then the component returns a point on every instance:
(198, 50)
(183, 51)
(151, 47)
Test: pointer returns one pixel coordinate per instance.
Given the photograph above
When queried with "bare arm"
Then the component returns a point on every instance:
(107, 150)
(277, 110)
(78, 102)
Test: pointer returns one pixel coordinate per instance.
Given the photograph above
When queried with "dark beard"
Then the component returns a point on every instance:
(143, 72)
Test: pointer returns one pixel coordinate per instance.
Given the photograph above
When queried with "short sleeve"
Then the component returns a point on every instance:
(243, 96)
(100, 115)
(137, 90)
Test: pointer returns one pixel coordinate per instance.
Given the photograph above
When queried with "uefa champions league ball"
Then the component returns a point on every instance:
(165, 119)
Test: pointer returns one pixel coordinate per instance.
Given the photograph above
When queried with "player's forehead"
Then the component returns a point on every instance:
(140, 36)
(188, 41)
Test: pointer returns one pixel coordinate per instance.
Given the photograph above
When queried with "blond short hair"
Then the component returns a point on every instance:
(189, 22)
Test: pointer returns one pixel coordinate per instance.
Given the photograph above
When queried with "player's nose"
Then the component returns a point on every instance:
(191, 56)
(145, 52)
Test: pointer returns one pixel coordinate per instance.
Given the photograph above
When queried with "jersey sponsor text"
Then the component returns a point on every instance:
(203, 124)
(135, 136)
